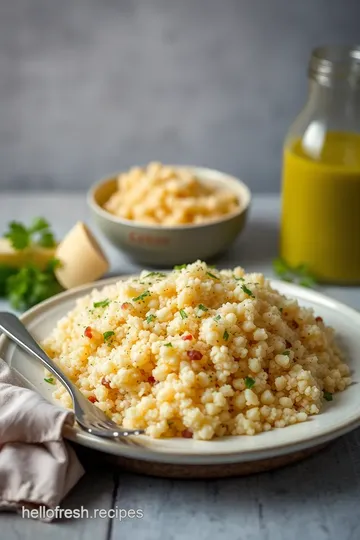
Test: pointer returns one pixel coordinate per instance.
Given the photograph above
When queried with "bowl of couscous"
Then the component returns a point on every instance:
(166, 215)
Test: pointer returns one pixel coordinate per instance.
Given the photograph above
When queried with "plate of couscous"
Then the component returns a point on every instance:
(217, 366)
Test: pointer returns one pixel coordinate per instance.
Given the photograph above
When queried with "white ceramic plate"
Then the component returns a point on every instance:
(337, 417)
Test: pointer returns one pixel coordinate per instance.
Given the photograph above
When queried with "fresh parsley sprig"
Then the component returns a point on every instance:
(300, 274)
(29, 285)
(22, 237)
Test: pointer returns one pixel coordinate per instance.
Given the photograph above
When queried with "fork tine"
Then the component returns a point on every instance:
(106, 433)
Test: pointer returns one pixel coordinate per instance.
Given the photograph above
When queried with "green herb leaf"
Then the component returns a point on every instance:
(239, 278)
(249, 382)
(39, 224)
(168, 344)
(302, 270)
(217, 318)
(183, 314)
(307, 282)
(150, 318)
(107, 335)
(18, 235)
(211, 275)
(280, 309)
(141, 296)
(46, 239)
(300, 274)
(247, 291)
(328, 396)
(180, 266)
(280, 267)
(5, 272)
(41, 234)
(155, 274)
(38, 233)
(50, 380)
(226, 335)
(30, 285)
(202, 307)
(286, 353)
(53, 264)
(102, 303)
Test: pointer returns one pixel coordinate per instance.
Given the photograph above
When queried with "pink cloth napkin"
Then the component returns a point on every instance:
(37, 467)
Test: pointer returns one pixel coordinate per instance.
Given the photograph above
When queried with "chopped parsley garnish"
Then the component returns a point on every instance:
(328, 396)
(107, 335)
(226, 335)
(202, 307)
(239, 278)
(150, 318)
(286, 353)
(247, 291)
(155, 274)
(167, 344)
(217, 318)
(211, 275)
(50, 380)
(180, 266)
(249, 382)
(183, 314)
(280, 309)
(141, 296)
(102, 303)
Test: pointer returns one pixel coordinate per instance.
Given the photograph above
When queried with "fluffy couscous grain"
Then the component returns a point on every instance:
(198, 352)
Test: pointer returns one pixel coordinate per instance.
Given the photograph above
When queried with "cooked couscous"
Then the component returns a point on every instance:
(163, 195)
(198, 353)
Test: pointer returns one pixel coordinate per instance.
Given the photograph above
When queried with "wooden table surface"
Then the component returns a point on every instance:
(317, 499)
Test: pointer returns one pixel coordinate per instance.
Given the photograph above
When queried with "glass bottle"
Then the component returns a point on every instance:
(320, 222)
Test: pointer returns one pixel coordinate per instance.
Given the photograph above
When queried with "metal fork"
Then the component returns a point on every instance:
(88, 416)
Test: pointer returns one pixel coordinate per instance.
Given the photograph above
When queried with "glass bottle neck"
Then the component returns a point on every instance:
(337, 103)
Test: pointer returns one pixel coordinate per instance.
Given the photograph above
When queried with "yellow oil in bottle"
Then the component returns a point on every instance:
(320, 223)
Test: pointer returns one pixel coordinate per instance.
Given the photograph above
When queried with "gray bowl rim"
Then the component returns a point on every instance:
(243, 189)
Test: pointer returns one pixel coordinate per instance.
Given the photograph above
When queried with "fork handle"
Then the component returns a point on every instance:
(16, 331)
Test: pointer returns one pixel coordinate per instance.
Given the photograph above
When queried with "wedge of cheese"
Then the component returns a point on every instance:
(34, 254)
(82, 259)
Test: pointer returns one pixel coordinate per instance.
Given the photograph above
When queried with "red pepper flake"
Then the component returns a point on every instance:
(105, 382)
(187, 434)
(88, 332)
(126, 305)
(92, 399)
(188, 337)
(287, 344)
(319, 319)
(194, 355)
(151, 379)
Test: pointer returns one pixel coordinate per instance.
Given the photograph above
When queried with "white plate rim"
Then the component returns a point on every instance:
(78, 436)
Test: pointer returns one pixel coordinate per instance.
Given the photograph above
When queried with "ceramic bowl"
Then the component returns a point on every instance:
(168, 245)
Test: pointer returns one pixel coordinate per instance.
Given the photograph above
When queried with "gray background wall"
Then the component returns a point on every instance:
(92, 86)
